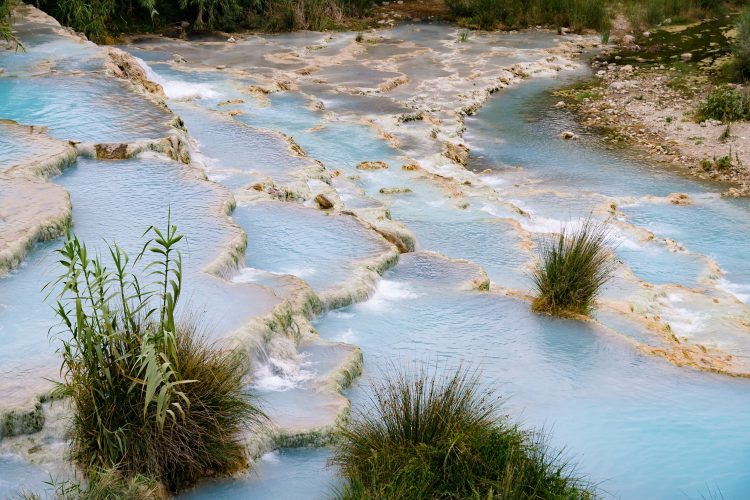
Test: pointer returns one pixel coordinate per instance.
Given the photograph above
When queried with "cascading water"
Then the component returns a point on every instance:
(293, 125)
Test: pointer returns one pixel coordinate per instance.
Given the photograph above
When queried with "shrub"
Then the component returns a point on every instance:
(740, 64)
(487, 14)
(149, 396)
(425, 436)
(725, 104)
(290, 15)
(571, 269)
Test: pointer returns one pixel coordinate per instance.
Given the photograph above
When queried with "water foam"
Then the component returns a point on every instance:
(249, 275)
(277, 374)
(740, 290)
(388, 292)
(682, 320)
(179, 90)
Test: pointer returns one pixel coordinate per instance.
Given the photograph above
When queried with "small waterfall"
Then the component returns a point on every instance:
(179, 90)
(280, 368)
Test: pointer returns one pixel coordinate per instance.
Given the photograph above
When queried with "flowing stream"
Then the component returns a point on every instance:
(423, 262)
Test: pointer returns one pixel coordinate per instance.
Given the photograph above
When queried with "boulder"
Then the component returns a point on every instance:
(456, 152)
(679, 199)
(124, 65)
(111, 151)
(323, 202)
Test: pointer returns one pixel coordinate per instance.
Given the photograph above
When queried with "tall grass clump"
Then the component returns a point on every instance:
(429, 436)
(724, 103)
(571, 269)
(150, 396)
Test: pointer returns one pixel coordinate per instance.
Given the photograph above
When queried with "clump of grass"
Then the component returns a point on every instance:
(150, 397)
(426, 436)
(724, 103)
(571, 269)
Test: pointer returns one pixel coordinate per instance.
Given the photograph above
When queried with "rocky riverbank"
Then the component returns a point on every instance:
(647, 100)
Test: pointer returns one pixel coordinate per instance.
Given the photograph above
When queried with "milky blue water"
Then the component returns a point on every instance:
(635, 424)
(117, 202)
(322, 249)
(619, 414)
(102, 110)
(287, 474)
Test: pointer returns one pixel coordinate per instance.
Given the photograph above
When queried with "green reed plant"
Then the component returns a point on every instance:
(571, 269)
(5, 21)
(430, 436)
(6, 24)
(150, 396)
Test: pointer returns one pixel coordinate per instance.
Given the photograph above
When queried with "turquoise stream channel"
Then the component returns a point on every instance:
(634, 424)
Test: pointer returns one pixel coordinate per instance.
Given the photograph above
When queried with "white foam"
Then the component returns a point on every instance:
(179, 90)
(493, 180)
(278, 374)
(388, 292)
(300, 272)
(347, 336)
(739, 290)
(340, 314)
(682, 320)
(626, 243)
(272, 457)
(249, 275)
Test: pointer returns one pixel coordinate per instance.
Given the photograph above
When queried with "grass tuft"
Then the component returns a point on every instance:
(150, 396)
(426, 436)
(571, 270)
